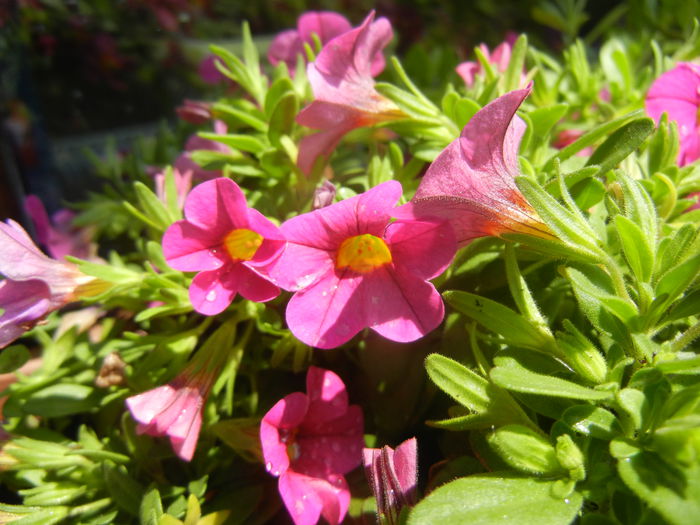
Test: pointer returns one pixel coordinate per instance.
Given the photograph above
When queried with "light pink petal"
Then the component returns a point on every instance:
(397, 304)
(189, 248)
(501, 56)
(285, 47)
(307, 498)
(287, 414)
(467, 70)
(426, 248)
(327, 394)
(682, 111)
(318, 316)
(23, 302)
(680, 83)
(146, 406)
(218, 206)
(210, 294)
(300, 266)
(37, 212)
(326, 24)
(185, 447)
(690, 148)
(184, 431)
(405, 466)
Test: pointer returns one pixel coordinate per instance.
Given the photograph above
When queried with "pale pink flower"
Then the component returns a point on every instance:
(58, 235)
(677, 93)
(229, 245)
(194, 143)
(310, 441)
(345, 97)
(183, 185)
(174, 410)
(194, 111)
(471, 182)
(352, 268)
(500, 58)
(34, 284)
(393, 477)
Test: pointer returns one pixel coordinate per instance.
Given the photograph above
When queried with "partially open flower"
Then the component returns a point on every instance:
(471, 183)
(310, 441)
(345, 97)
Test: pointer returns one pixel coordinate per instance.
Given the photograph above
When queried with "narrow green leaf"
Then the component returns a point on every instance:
(464, 386)
(676, 280)
(514, 72)
(282, 118)
(124, 490)
(58, 400)
(520, 379)
(593, 421)
(12, 358)
(152, 206)
(621, 143)
(636, 247)
(524, 449)
(151, 508)
(249, 143)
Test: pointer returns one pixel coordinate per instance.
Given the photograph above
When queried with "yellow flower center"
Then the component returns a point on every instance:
(241, 244)
(362, 253)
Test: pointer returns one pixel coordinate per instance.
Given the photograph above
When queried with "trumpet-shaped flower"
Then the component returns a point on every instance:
(352, 268)
(471, 182)
(677, 93)
(57, 234)
(310, 441)
(393, 477)
(345, 97)
(34, 284)
(229, 245)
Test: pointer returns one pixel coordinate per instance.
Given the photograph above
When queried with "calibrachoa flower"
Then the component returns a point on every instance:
(352, 268)
(34, 284)
(60, 238)
(393, 476)
(229, 245)
(677, 93)
(310, 441)
(500, 58)
(345, 97)
(184, 161)
(471, 183)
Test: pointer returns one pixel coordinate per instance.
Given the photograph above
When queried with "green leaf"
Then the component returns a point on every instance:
(638, 206)
(544, 119)
(152, 206)
(282, 118)
(58, 400)
(249, 143)
(524, 449)
(514, 328)
(676, 280)
(495, 500)
(12, 358)
(672, 491)
(514, 72)
(519, 379)
(151, 508)
(592, 421)
(124, 490)
(621, 143)
(636, 247)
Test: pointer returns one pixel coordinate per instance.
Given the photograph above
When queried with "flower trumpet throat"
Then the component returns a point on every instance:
(362, 253)
(242, 244)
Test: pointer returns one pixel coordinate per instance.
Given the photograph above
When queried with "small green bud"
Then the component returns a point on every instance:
(582, 355)
(570, 457)
(524, 449)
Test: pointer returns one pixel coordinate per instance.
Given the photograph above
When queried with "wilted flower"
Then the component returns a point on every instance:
(184, 161)
(352, 268)
(500, 58)
(35, 284)
(471, 183)
(393, 476)
(310, 441)
(345, 97)
(58, 235)
(229, 245)
(677, 93)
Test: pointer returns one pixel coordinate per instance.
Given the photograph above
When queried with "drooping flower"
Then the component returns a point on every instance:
(34, 284)
(471, 182)
(677, 93)
(352, 268)
(229, 245)
(60, 238)
(393, 477)
(184, 161)
(500, 58)
(310, 441)
(345, 97)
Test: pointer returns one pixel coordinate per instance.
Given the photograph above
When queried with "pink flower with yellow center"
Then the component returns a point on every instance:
(353, 268)
(677, 93)
(228, 243)
(343, 85)
(471, 183)
(310, 441)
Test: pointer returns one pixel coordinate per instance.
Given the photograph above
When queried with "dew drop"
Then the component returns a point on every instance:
(268, 466)
(567, 501)
(211, 296)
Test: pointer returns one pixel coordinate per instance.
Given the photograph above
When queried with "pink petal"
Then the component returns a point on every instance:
(23, 303)
(327, 395)
(253, 286)
(185, 447)
(37, 212)
(211, 292)
(501, 56)
(326, 24)
(218, 206)
(185, 163)
(273, 243)
(285, 47)
(680, 83)
(146, 406)
(189, 248)
(426, 248)
(405, 466)
(285, 415)
(308, 498)
(682, 111)
(467, 70)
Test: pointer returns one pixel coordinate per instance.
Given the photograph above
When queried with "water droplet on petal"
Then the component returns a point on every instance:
(211, 296)
(268, 466)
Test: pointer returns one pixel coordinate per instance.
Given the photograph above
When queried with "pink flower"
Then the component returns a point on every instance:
(183, 184)
(345, 98)
(60, 238)
(35, 284)
(500, 58)
(393, 476)
(229, 245)
(471, 183)
(310, 440)
(184, 161)
(352, 268)
(677, 93)
(194, 111)
(208, 71)
(174, 410)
